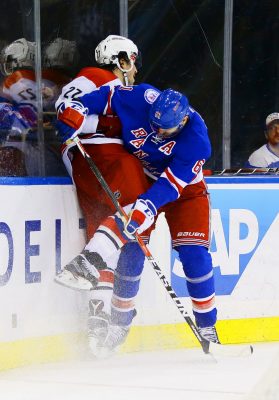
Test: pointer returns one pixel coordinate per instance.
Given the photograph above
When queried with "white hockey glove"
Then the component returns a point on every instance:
(141, 217)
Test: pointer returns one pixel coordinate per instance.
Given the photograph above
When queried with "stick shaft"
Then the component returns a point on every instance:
(141, 243)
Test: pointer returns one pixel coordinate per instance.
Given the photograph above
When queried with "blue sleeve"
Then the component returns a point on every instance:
(160, 193)
(96, 101)
(173, 180)
(190, 154)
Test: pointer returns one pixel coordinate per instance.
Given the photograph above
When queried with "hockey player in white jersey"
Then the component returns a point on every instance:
(19, 86)
(117, 58)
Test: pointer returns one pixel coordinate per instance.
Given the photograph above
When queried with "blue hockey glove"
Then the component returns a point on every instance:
(141, 217)
(64, 131)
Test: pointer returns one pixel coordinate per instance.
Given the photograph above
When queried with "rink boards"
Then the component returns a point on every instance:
(41, 228)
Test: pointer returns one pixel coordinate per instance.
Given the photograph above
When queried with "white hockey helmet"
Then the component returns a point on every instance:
(59, 53)
(108, 49)
(18, 54)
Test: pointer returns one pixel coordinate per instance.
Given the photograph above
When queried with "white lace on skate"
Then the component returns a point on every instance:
(209, 333)
(79, 274)
(98, 322)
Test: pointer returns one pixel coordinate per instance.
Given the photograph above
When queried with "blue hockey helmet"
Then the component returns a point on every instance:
(168, 111)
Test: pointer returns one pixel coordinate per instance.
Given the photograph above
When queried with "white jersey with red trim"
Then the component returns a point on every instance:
(20, 88)
(88, 79)
(97, 129)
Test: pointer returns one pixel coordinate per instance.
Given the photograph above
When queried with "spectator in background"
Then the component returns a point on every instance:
(267, 156)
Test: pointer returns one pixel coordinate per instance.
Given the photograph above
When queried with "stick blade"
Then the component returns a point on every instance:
(231, 350)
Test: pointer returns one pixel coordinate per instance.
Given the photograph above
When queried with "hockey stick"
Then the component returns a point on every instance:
(204, 343)
(247, 171)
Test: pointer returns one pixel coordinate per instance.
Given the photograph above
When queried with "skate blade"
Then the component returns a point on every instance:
(66, 278)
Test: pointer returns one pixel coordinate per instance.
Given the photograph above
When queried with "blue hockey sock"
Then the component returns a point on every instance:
(126, 284)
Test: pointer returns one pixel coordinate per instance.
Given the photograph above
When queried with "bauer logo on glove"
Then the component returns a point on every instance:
(141, 216)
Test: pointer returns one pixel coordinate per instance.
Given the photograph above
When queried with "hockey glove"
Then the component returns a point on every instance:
(71, 117)
(141, 217)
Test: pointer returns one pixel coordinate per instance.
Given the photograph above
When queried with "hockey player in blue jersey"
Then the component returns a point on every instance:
(170, 138)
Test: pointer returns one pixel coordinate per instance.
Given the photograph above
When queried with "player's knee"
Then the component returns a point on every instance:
(131, 260)
(196, 260)
(128, 272)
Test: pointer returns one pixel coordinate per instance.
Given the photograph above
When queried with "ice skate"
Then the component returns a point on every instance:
(82, 272)
(209, 334)
(98, 323)
(115, 337)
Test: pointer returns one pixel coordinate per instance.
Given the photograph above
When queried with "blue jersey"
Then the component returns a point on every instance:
(175, 162)
(11, 120)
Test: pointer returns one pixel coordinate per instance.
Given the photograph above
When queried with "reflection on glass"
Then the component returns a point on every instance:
(18, 107)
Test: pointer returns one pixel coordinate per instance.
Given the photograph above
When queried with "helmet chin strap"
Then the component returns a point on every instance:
(125, 77)
(124, 71)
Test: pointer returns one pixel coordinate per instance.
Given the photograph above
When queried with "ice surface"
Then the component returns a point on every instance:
(178, 374)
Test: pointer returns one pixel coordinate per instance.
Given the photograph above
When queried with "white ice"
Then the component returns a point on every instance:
(185, 374)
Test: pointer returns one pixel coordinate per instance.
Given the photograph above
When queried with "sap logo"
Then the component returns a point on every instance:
(241, 237)
(235, 236)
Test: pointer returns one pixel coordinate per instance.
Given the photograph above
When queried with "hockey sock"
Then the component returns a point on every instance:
(126, 284)
(198, 269)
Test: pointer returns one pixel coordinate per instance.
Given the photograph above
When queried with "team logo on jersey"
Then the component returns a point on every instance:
(151, 95)
(140, 154)
(137, 143)
(138, 133)
(167, 148)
